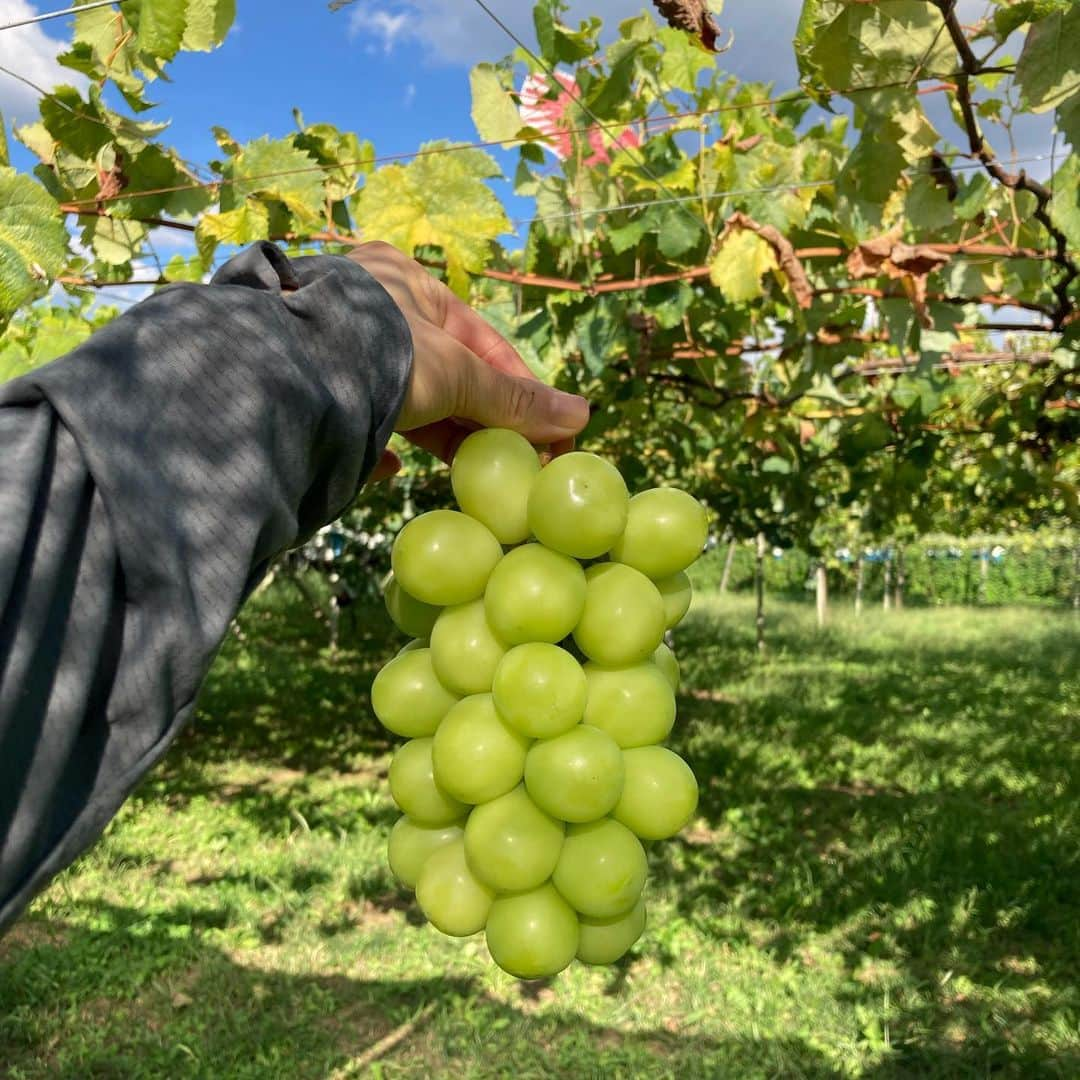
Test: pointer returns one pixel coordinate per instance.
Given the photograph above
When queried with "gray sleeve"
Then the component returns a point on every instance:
(148, 479)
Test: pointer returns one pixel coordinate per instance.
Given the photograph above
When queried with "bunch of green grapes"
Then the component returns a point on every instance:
(535, 699)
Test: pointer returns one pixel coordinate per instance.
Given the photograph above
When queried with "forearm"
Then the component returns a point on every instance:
(149, 479)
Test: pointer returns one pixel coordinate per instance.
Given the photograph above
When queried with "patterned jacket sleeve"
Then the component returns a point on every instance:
(148, 479)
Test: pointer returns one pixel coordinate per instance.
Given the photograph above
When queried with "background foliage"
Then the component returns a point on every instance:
(826, 313)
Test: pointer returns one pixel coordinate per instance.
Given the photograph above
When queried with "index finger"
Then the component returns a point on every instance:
(481, 338)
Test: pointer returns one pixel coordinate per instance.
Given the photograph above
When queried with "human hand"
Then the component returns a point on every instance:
(465, 375)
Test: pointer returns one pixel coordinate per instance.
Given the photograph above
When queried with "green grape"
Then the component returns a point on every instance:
(408, 698)
(603, 941)
(477, 755)
(533, 934)
(411, 844)
(464, 650)
(409, 615)
(601, 869)
(412, 646)
(577, 776)
(634, 705)
(444, 557)
(578, 505)
(535, 594)
(540, 690)
(623, 619)
(676, 592)
(511, 844)
(660, 793)
(415, 790)
(449, 894)
(665, 531)
(491, 475)
(665, 660)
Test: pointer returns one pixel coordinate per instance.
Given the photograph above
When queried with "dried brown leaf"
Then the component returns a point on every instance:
(785, 254)
(693, 16)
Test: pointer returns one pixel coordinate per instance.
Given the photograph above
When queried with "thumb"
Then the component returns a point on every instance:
(541, 413)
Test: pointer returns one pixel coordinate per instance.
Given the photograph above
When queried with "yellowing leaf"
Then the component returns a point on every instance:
(208, 21)
(493, 111)
(439, 199)
(739, 265)
(244, 225)
(278, 170)
(114, 240)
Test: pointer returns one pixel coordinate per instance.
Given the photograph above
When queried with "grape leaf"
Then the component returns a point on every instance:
(927, 205)
(678, 229)
(682, 61)
(493, 110)
(33, 240)
(244, 225)
(104, 47)
(544, 24)
(278, 170)
(1068, 120)
(739, 265)
(842, 44)
(1012, 17)
(1048, 71)
(160, 26)
(115, 241)
(208, 22)
(1064, 207)
(75, 123)
(352, 157)
(624, 237)
(597, 333)
(615, 89)
(181, 268)
(438, 199)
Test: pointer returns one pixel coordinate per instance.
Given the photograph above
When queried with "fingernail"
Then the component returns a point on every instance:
(571, 410)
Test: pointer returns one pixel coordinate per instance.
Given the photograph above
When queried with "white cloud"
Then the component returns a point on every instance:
(30, 52)
(410, 95)
(388, 28)
(457, 32)
(167, 242)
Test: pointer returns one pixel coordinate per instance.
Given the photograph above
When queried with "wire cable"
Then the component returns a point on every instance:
(575, 96)
(60, 14)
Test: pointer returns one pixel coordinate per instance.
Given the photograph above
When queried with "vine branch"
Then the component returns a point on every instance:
(972, 67)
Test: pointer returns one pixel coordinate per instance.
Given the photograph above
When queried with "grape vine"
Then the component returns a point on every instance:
(815, 309)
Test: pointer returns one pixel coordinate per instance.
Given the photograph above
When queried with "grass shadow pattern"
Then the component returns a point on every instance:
(882, 881)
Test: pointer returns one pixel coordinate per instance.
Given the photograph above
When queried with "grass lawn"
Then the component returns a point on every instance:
(884, 879)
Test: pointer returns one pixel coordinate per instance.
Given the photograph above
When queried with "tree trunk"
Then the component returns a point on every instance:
(984, 574)
(759, 586)
(886, 597)
(821, 581)
(858, 582)
(899, 601)
(725, 576)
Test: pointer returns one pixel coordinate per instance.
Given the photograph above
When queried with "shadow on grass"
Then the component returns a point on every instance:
(901, 798)
(146, 997)
(916, 800)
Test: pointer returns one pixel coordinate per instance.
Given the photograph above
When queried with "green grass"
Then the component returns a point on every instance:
(884, 879)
